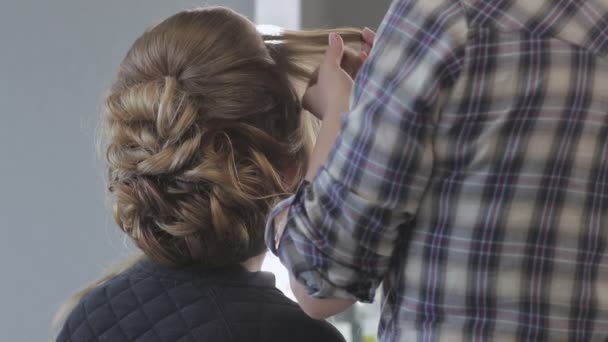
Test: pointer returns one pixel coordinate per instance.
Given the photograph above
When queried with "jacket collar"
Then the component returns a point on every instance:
(233, 274)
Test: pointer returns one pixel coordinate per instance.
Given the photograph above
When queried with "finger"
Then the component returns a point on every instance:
(352, 62)
(335, 51)
(368, 36)
(368, 40)
(362, 58)
(308, 101)
(367, 48)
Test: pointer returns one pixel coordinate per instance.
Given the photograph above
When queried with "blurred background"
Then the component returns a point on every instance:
(56, 60)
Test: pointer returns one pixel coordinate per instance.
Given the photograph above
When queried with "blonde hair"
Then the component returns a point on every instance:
(204, 132)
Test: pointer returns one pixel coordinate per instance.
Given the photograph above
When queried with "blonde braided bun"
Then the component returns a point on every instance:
(201, 128)
(204, 132)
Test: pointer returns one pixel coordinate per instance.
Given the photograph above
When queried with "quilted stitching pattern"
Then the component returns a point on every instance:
(141, 305)
(138, 306)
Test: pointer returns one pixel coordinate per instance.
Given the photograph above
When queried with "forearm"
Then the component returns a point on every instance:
(330, 128)
(322, 245)
(314, 307)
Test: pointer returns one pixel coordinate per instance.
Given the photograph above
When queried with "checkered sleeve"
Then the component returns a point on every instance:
(343, 227)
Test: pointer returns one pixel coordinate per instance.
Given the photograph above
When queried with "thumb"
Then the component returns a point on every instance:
(334, 53)
(310, 101)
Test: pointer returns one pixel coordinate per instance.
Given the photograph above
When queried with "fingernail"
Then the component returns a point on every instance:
(332, 38)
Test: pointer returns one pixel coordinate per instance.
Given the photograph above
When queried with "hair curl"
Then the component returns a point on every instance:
(203, 124)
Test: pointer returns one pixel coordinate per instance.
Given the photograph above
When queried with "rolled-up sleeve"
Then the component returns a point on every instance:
(343, 227)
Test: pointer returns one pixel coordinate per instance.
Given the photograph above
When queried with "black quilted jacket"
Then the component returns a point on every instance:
(153, 303)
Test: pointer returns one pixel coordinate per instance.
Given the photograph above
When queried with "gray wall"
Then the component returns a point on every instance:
(334, 13)
(56, 58)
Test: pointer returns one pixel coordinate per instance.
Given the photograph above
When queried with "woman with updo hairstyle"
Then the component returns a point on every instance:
(203, 132)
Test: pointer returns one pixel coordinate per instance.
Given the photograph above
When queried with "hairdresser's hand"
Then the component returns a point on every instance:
(353, 60)
(331, 92)
(338, 63)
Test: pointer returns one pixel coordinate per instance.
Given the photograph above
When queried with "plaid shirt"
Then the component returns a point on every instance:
(470, 176)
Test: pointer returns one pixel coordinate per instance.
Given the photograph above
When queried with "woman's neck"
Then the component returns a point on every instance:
(254, 264)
